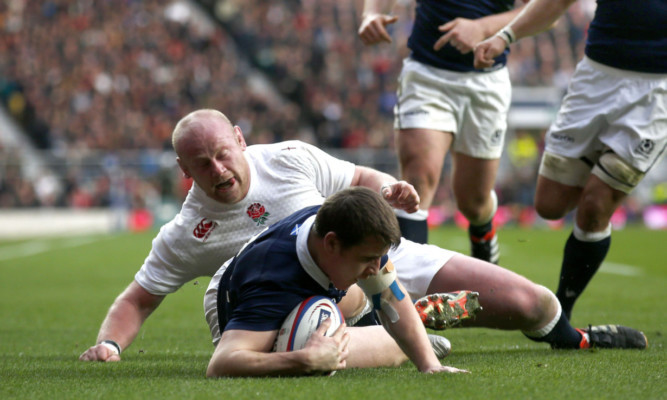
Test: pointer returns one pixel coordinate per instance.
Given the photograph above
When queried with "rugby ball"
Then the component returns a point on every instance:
(306, 317)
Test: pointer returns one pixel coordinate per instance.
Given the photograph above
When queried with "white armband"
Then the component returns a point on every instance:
(374, 285)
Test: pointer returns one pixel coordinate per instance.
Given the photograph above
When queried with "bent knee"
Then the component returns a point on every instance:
(538, 306)
(550, 210)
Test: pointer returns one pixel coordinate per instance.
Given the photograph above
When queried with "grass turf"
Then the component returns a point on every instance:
(55, 292)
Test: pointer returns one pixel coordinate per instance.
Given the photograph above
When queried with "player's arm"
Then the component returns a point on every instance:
(464, 34)
(399, 194)
(248, 353)
(122, 323)
(537, 16)
(400, 318)
(374, 18)
(410, 334)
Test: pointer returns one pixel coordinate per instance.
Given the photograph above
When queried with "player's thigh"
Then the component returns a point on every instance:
(372, 347)
(509, 300)
(421, 154)
(553, 200)
(422, 149)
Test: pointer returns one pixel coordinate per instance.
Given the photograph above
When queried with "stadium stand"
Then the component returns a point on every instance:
(99, 85)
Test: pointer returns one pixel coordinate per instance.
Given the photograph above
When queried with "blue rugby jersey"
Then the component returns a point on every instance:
(630, 35)
(430, 14)
(266, 281)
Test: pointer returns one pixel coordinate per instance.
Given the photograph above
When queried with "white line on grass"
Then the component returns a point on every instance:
(42, 246)
(621, 269)
(607, 267)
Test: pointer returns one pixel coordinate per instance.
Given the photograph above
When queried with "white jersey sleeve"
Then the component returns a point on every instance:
(177, 257)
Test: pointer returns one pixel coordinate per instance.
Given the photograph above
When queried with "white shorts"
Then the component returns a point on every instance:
(211, 304)
(471, 105)
(606, 107)
(415, 263)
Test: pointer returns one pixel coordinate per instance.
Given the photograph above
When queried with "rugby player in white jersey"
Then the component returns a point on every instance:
(610, 131)
(238, 191)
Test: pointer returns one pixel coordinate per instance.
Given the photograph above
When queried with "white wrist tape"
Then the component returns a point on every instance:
(374, 285)
(507, 34)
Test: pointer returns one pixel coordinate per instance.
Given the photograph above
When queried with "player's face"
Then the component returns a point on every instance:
(358, 262)
(213, 157)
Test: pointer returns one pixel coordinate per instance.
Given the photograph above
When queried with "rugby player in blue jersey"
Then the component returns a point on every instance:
(611, 128)
(324, 250)
(310, 253)
(444, 103)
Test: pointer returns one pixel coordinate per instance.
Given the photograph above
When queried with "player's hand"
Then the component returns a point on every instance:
(486, 51)
(328, 353)
(401, 195)
(99, 352)
(443, 368)
(372, 29)
(463, 34)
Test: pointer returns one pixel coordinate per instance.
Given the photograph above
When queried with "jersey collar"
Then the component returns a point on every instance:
(305, 259)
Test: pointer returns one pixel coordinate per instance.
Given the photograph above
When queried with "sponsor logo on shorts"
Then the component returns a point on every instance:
(496, 136)
(204, 228)
(562, 138)
(645, 147)
(415, 112)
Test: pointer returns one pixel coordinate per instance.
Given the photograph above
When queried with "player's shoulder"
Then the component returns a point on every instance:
(284, 154)
(286, 147)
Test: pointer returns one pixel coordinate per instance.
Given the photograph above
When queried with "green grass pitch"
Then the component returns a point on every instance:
(55, 292)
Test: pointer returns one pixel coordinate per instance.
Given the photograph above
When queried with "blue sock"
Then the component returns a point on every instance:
(415, 230)
(581, 260)
(562, 336)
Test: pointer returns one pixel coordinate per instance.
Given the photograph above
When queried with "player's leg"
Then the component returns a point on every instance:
(587, 247)
(508, 300)
(427, 108)
(559, 190)
(473, 181)
(511, 301)
(421, 155)
(372, 346)
(476, 157)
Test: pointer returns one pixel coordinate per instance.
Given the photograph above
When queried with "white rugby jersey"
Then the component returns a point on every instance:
(284, 177)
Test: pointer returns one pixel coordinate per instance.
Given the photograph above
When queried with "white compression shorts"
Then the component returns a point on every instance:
(448, 101)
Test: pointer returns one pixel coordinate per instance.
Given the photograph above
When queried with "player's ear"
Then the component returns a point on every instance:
(331, 243)
(183, 167)
(239, 137)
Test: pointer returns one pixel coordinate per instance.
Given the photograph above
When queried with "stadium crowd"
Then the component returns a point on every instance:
(87, 79)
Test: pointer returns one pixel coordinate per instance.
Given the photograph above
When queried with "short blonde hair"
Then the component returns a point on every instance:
(194, 120)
